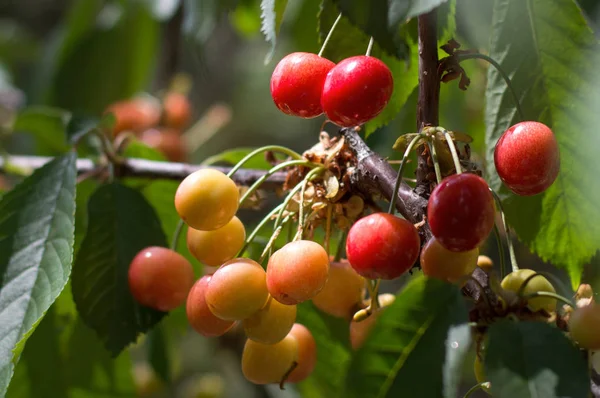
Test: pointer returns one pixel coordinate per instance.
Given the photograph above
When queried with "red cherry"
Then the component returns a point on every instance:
(383, 246)
(297, 84)
(527, 158)
(461, 212)
(357, 90)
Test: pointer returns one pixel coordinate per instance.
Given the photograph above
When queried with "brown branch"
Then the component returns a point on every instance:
(149, 169)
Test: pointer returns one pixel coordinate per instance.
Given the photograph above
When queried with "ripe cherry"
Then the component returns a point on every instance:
(207, 199)
(461, 212)
(199, 315)
(160, 278)
(213, 248)
(269, 363)
(538, 283)
(166, 141)
(356, 90)
(584, 324)
(135, 115)
(383, 246)
(297, 84)
(297, 271)
(271, 323)
(342, 292)
(307, 353)
(441, 263)
(527, 158)
(177, 111)
(237, 290)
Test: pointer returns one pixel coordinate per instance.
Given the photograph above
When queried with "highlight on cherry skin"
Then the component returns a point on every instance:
(584, 326)
(441, 263)
(381, 245)
(237, 290)
(342, 292)
(307, 353)
(297, 271)
(538, 283)
(207, 199)
(356, 90)
(271, 323)
(461, 212)
(527, 158)
(269, 363)
(199, 315)
(297, 84)
(215, 247)
(160, 278)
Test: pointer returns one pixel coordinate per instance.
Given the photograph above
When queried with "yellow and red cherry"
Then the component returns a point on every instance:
(199, 315)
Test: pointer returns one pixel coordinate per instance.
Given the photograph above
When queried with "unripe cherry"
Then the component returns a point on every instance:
(213, 248)
(584, 326)
(342, 292)
(271, 323)
(441, 263)
(538, 283)
(177, 111)
(199, 315)
(269, 363)
(307, 353)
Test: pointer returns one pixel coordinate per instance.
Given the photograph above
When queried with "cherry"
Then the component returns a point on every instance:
(135, 115)
(307, 353)
(237, 290)
(297, 83)
(177, 111)
(160, 278)
(207, 199)
(527, 158)
(356, 90)
(342, 292)
(213, 248)
(584, 324)
(461, 212)
(480, 375)
(269, 363)
(297, 271)
(441, 263)
(271, 323)
(199, 315)
(513, 282)
(381, 245)
(485, 262)
(166, 141)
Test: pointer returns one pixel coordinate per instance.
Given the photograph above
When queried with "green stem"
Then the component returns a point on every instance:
(375, 295)
(176, 234)
(285, 203)
(275, 169)
(290, 196)
(476, 387)
(370, 47)
(511, 249)
(274, 148)
(337, 20)
(436, 163)
(409, 148)
(257, 229)
(341, 244)
(452, 147)
(502, 73)
(500, 251)
(552, 295)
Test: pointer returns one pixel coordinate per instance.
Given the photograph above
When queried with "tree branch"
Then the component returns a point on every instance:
(148, 169)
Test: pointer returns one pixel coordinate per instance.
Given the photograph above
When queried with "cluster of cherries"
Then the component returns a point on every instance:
(158, 124)
(350, 93)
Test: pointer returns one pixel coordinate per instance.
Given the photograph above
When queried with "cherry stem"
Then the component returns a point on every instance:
(407, 152)
(273, 170)
(452, 147)
(370, 47)
(257, 229)
(177, 234)
(500, 251)
(328, 228)
(287, 374)
(525, 282)
(340, 248)
(436, 163)
(375, 295)
(314, 172)
(273, 148)
(511, 249)
(285, 203)
(335, 23)
(552, 295)
(496, 65)
(476, 387)
(272, 240)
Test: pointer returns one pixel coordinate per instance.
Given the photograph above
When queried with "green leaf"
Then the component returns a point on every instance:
(36, 250)
(233, 156)
(425, 321)
(47, 125)
(333, 351)
(457, 349)
(551, 56)
(533, 359)
(137, 149)
(272, 15)
(158, 352)
(112, 61)
(164, 10)
(120, 224)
